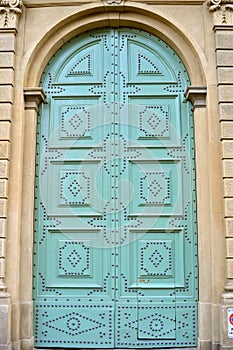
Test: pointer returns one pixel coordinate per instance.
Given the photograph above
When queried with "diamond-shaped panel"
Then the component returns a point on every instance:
(156, 258)
(62, 324)
(154, 122)
(74, 258)
(75, 121)
(155, 188)
(75, 188)
(156, 322)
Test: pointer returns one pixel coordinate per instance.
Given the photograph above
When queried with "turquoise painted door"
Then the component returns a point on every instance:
(115, 258)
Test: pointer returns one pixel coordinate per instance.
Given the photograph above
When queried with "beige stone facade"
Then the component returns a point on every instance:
(201, 32)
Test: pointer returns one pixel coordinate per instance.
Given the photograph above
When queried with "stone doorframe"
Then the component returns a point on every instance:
(28, 70)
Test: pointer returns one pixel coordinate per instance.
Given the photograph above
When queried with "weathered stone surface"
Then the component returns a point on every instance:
(5, 319)
(2, 275)
(227, 149)
(224, 58)
(6, 93)
(26, 310)
(225, 75)
(4, 149)
(2, 247)
(6, 111)
(3, 207)
(229, 247)
(6, 76)
(227, 130)
(229, 268)
(229, 207)
(2, 227)
(225, 93)
(7, 42)
(5, 130)
(228, 187)
(4, 169)
(3, 188)
(226, 111)
(7, 59)
(229, 227)
(224, 40)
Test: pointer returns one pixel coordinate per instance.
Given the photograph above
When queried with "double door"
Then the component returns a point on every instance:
(115, 234)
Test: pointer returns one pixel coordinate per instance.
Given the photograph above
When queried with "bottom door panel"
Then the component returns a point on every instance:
(74, 325)
(161, 326)
(157, 322)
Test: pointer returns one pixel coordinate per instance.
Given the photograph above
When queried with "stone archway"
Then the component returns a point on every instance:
(35, 61)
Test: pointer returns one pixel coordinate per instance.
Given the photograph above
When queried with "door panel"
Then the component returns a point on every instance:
(115, 233)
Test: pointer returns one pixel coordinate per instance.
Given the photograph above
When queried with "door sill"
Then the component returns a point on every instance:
(115, 348)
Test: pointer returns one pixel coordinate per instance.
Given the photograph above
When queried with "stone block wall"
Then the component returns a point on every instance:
(8, 31)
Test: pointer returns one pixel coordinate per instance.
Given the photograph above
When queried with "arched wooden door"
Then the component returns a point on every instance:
(115, 222)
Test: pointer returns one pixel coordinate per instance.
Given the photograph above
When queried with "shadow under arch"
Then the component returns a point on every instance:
(130, 14)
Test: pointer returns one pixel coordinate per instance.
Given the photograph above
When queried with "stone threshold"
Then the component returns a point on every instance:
(116, 349)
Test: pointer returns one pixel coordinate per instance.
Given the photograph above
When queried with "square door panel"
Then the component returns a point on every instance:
(75, 122)
(157, 188)
(153, 121)
(159, 259)
(73, 259)
(72, 188)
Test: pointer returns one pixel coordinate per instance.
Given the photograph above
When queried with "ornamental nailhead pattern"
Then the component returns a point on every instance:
(156, 259)
(52, 89)
(101, 89)
(158, 187)
(179, 88)
(127, 334)
(75, 188)
(145, 61)
(102, 37)
(121, 230)
(79, 313)
(154, 121)
(83, 61)
(124, 39)
(74, 258)
(73, 323)
(123, 154)
(183, 154)
(129, 290)
(51, 222)
(75, 121)
(182, 222)
(48, 155)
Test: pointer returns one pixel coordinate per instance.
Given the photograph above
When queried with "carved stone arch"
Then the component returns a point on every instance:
(50, 40)
(128, 14)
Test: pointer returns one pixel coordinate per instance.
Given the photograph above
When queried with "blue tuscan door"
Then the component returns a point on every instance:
(115, 258)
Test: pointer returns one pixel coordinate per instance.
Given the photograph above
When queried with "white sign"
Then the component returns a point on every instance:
(230, 322)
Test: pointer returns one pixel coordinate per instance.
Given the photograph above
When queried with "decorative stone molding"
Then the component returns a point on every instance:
(113, 2)
(216, 4)
(197, 96)
(33, 98)
(223, 10)
(9, 13)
